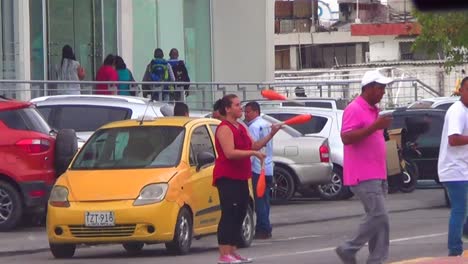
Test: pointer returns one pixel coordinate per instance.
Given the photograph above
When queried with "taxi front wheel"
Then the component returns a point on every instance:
(62, 251)
(183, 234)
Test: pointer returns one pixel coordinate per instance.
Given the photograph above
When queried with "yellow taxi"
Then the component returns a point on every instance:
(138, 182)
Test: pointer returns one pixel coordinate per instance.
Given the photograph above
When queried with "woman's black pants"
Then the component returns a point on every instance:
(234, 201)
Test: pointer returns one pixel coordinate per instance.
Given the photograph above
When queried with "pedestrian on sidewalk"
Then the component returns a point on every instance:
(231, 174)
(158, 70)
(125, 75)
(365, 168)
(180, 75)
(107, 73)
(453, 167)
(259, 129)
(69, 70)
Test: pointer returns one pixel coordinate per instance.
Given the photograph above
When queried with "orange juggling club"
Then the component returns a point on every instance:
(299, 119)
(261, 184)
(272, 95)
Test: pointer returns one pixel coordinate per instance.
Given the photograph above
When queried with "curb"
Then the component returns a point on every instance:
(22, 252)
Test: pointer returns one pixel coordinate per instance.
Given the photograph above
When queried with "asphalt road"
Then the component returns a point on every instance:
(414, 233)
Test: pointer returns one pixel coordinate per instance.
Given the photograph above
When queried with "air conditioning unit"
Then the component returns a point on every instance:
(367, 56)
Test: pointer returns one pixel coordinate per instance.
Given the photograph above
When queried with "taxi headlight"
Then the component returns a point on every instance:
(152, 193)
(59, 196)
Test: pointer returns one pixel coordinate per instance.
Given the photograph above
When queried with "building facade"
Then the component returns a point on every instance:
(220, 40)
(365, 31)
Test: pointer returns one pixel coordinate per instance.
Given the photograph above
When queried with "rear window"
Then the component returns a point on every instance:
(423, 129)
(315, 125)
(421, 105)
(444, 106)
(83, 117)
(25, 119)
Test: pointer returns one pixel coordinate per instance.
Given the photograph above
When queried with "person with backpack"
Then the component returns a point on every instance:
(180, 74)
(158, 70)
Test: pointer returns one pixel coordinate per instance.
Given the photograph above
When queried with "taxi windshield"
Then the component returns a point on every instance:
(132, 147)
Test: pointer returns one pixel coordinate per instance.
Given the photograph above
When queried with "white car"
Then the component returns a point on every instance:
(86, 113)
(326, 123)
(437, 102)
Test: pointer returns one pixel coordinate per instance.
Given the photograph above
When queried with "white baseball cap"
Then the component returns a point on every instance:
(374, 76)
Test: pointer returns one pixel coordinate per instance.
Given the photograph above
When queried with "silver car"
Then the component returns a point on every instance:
(300, 161)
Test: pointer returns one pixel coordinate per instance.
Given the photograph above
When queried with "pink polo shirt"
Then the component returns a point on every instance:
(366, 159)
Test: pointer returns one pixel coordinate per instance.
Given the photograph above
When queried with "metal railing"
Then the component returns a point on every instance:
(201, 95)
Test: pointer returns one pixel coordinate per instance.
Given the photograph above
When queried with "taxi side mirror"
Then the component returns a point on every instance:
(204, 158)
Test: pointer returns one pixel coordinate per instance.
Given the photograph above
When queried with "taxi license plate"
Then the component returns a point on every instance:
(105, 218)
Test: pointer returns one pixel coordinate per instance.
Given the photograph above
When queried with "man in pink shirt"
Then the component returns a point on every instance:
(365, 168)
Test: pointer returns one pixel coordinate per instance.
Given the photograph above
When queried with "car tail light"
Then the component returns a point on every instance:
(33, 145)
(37, 193)
(324, 153)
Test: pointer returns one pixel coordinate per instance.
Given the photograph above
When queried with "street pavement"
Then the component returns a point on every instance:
(305, 231)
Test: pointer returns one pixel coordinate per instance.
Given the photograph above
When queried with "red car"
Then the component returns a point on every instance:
(28, 163)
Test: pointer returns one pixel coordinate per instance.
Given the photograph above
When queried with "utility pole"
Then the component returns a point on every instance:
(357, 20)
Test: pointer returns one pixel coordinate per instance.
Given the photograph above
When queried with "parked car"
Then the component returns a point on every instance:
(86, 113)
(442, 103)
(300, 161)
(137, 183)
(31, 155)
(424, 131)
(325, 123)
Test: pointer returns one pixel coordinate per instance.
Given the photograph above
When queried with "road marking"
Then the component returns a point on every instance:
(417, 237)
(333, 248)
(270, 241)
(295, 238)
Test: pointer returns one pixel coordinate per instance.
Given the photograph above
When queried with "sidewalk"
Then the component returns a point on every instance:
(31, 240)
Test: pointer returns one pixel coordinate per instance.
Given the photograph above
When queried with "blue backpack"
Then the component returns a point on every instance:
(159, 71)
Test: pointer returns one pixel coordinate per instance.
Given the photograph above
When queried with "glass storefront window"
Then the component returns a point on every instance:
(144, 35)
(197, 38)
(8, 40)
(81, 24)
(197, 34)
(8, 45)
(110, 28)
(37, 40)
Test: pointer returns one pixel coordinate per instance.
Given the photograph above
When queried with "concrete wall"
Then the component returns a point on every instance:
(383, 48)
(243, 48)
(334, 37)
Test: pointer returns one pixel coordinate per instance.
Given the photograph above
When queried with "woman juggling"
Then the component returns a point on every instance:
(231, 173)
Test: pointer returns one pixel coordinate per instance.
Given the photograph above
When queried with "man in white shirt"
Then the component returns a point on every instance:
(258, 129)
(453, 167)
